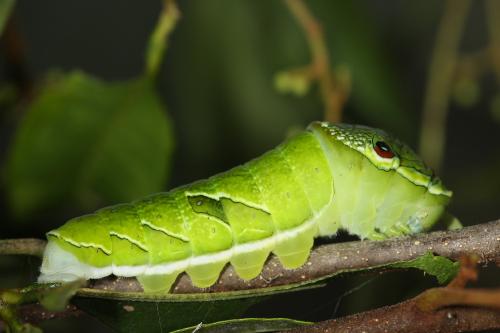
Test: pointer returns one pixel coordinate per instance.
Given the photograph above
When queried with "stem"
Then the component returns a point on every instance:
(23, 246)
(158, 40)
(439, 83)
(333, 98)
(433, 299)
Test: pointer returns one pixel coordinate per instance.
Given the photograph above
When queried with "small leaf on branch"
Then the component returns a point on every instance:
(442, 268)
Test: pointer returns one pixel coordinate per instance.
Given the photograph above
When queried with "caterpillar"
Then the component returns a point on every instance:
(326, 178)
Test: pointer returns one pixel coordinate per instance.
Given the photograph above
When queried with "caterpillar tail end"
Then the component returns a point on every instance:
(59, 265)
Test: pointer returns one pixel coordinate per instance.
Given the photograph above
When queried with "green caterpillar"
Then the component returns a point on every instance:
(328, 177)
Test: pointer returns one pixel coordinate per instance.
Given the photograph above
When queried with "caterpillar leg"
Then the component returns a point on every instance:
(157, 282)
(205, 275)
(248, 265)
(294, 249)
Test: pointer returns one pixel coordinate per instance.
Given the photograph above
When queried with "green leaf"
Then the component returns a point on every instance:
(56, 299)
(88, 142)
(246, 325)
(53, 296)
(137, 316)
(293, 82)
(442, 268)
(146, 312)
(5, 9)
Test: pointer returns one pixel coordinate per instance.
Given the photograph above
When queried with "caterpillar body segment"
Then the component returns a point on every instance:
(327, 177)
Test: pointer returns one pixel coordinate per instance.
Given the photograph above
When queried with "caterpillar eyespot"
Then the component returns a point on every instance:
(309, 186)
(383, 150)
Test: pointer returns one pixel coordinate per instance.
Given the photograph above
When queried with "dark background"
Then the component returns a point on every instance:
(217, 84)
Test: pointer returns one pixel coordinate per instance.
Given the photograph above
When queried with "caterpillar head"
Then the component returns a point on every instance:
(386, 153)
(379, 171)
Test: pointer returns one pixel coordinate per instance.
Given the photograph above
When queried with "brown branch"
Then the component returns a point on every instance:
(407, 317)
(328, 260)
(333, 97)
(434, 310)
(23, 246)
(439, 83)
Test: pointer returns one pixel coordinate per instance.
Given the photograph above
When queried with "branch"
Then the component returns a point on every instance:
(23, 246)
(434, 310)
(328, 260)
(333, 96)
(407, 317)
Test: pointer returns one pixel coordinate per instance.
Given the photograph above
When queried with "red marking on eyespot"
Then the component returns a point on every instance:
(383, 150)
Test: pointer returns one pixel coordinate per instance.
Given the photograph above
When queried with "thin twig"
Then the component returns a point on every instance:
(439, 83)
(22, 246)
(441, 297)
(158, 40)
(333, 97)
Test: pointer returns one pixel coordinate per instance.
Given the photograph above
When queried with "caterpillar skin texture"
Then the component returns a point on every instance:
(328, 177)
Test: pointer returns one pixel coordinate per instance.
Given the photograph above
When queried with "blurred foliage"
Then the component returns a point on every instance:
(293, 82)
(5, 9)
(264, 40)
(495, 108)
(88, 142)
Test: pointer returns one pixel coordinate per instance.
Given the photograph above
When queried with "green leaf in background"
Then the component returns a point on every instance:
(246, 325)
(442, 268)
(5, 9)
(88, 142)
